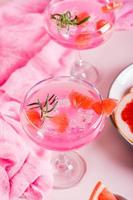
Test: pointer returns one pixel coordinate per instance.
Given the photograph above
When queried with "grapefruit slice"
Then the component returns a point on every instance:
(34, 117)
(115, 4)
(81, 16)
(61, 122)
(82, 39)
(106, 106)
(100, 192)
(79, 100)
(124, 116)
(131, 90)
(103, 26)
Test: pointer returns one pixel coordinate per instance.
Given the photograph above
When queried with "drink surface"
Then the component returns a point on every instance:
(70, 124)
(94, 30)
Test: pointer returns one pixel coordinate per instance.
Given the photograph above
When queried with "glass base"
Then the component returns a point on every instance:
(68, 168)
(85, 71)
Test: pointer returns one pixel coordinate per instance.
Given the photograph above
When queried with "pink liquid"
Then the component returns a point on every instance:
(83, 36)
(83, 124)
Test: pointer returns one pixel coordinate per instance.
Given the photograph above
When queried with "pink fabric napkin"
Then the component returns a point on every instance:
(27, 55)
(25, 49)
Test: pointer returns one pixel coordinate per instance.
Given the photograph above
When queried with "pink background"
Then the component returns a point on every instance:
(109, 158)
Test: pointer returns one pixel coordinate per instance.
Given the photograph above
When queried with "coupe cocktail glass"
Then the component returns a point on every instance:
(79, 24)
(57, 115)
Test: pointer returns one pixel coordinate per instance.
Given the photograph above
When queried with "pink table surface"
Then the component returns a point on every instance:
(110, 157)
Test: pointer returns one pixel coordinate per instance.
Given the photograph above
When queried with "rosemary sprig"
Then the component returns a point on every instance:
(83, 20)
(47, 107)
(65, 20)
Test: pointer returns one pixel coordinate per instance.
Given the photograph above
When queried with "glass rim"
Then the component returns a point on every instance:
(101, 116)
(112, 12)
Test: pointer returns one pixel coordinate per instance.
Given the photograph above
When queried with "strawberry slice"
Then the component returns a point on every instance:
(115, 4)
(61, 122)
(103, 25)
(34, 117)
(106, 106)
(82, 39)
(79, 100)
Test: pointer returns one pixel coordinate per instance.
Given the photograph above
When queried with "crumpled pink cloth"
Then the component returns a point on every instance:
(27, 55)
(25, 52)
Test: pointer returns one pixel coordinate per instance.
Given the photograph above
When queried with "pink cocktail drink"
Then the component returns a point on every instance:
(78, 24)
(67, 120)
(60, 114)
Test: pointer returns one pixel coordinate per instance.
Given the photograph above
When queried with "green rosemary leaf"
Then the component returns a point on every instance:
(47, 103)
(35, 107)
(47, 116)
(74, 20)
(32, 104)
(68, 14)
(48, 106)
(39, 103)
(64, 20)
(83, 20)
(54, 99)
(51, 97)
(53, 107)
(55, 16)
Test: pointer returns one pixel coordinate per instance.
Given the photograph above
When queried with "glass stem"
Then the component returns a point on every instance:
(79, 58)
(61, 162)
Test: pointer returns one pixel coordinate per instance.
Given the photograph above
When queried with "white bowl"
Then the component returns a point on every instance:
(122, 83)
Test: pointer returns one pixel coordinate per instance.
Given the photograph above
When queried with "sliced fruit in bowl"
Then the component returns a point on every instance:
(121, 86)
(123, 116)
